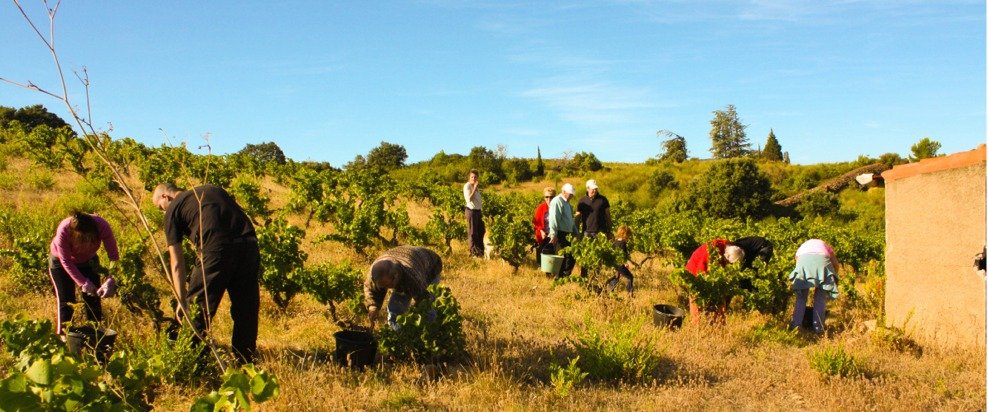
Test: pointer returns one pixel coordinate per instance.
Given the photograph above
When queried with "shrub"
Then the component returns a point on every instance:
(424, 341)
(564, 379)
(894, 338)
(835, 361)
(281, 259)
(661, 180)
(730, 189)
(820, 203)
(30, 259)
(623, 354)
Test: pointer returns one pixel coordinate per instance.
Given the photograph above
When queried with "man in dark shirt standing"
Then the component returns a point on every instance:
(230, 260)
(593, 214)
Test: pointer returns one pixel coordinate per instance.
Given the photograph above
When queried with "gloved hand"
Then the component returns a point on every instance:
(88, 288)
(108, 289)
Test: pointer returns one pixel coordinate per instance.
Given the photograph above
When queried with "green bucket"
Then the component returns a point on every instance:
(551, 263)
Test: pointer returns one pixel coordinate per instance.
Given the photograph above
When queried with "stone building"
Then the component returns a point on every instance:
(934, 230)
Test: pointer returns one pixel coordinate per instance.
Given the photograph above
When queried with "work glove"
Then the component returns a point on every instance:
(108, 289)
(88, 288)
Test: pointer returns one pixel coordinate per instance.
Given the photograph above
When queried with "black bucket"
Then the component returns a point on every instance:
(355, 348)
(98, 342)
(668, 316)
(808, 318)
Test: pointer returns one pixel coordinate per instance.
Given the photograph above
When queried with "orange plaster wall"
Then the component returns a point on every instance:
(935, 224)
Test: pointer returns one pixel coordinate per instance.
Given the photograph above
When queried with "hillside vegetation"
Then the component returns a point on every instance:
(530, 343)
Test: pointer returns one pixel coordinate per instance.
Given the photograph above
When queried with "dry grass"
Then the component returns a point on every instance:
(517, 324)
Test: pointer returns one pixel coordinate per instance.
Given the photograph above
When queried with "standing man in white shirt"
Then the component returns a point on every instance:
(475, 222)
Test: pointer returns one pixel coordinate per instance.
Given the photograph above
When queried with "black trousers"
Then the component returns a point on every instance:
(475, 231)
(234, 269)
(65, 291)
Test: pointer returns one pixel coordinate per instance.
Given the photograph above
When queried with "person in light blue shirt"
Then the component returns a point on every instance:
(561, 226)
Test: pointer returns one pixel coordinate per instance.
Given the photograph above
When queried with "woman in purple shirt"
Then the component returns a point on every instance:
(73, 262)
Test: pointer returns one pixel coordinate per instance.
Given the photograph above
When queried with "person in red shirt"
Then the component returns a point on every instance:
(699, 264)
(541, 222)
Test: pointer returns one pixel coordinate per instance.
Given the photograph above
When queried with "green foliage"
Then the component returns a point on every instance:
(48, 378)
(733, 188)
(709, 289)
(446, 220)
(488, 163)
(247, 191)
(281, 260)
(727, 134)
(164, 165)
(422, 341)
(29, 255)
(517, 170)
(387, 156)
(835, 361)
(135, 291)
(894, 338)
(772, 150)
(660, 180)
(359, 204)
(539, 164)
(820, 203)
(336, 284)
(41, 180)
(621, 352)
(240, 388)
(924, 149)
(30, 117)
(172, 355)
(673, 149)
(584, 162)
(264, 153)
(768, 333)
(511, 237)
(596, 253)
(564, 379)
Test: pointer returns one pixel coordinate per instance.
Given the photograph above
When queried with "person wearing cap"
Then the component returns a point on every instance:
(229, 259)
(540, 222)
(698, 264)
(475, 221)
(816, 267)
(407, 271)
(561, 226)
(593, 213)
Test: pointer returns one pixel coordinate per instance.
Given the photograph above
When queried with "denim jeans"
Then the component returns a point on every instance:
(819, 308)
(399, 303)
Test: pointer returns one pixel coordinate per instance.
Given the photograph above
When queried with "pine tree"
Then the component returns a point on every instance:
(727, 134)
(924, 149)
(772, 150)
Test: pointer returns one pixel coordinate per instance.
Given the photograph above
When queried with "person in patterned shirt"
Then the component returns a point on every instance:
(407, 271)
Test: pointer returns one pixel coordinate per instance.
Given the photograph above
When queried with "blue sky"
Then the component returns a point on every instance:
(327, 81)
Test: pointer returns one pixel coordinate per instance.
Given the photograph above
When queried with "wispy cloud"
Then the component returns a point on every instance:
(591, 103)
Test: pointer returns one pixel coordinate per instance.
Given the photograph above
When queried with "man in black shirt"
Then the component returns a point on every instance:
(594, 212)
(224, 236)
(593, 215)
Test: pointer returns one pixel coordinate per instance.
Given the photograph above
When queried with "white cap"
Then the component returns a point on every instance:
(568, 188)
(591, 184)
